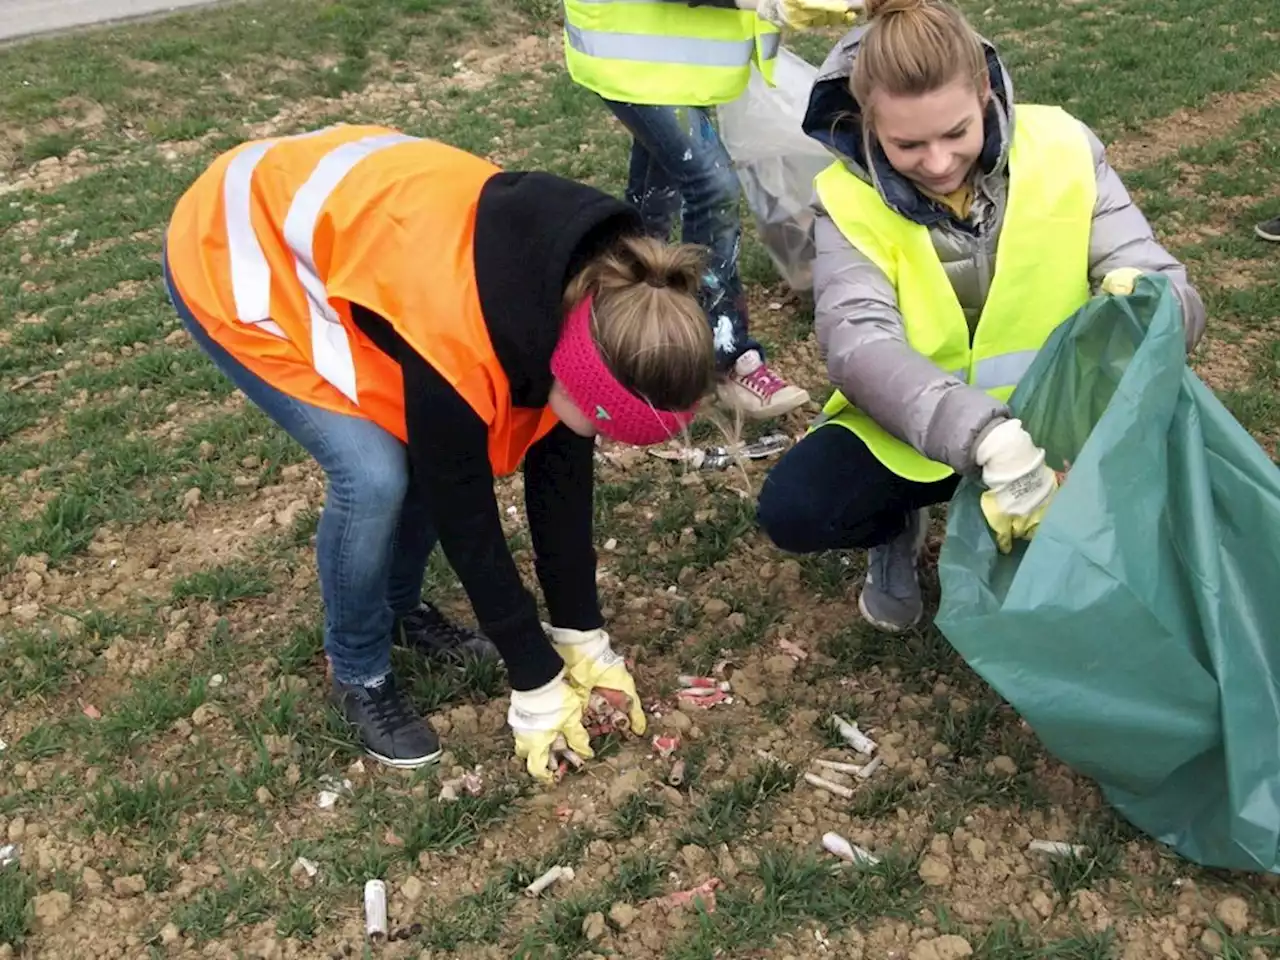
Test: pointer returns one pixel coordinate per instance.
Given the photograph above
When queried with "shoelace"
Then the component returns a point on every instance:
(763, 381)
(389, 709)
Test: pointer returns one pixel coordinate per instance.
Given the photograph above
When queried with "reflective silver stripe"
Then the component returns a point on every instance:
(250, 272)
(330, 345)
(648, 48)
(769, 44)
(1004, 370)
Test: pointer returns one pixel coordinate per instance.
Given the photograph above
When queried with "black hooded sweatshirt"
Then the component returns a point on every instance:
(534, 231)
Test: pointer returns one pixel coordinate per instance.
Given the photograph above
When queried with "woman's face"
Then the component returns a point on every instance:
(568, 412)
(933, 139)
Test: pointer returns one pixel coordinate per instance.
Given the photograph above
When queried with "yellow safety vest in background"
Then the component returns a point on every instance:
(1041, 276)
(669, 54)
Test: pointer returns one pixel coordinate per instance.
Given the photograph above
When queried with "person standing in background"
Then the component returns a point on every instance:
(660, 65)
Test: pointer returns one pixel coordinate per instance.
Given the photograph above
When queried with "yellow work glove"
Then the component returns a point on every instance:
(1020, 486)
(807, 14)
(1119, 282)
(593, 663)
(537, 717)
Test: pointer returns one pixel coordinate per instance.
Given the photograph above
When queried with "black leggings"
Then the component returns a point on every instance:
(829, 492)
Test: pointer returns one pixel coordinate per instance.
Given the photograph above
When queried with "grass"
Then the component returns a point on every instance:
(1014, 942)
(560, 930)
(109, 415)
(795, 888)
(16, 890)
(725, 813)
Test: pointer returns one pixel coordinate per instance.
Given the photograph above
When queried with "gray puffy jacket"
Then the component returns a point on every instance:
(860, 330)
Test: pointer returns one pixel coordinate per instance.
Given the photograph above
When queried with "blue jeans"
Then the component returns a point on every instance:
(679, 163)
(375, 534)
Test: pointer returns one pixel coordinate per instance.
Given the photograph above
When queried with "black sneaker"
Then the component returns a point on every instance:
(429, 632)
(391, 729)
(1269, 230)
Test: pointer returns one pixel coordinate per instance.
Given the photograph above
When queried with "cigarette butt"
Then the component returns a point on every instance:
(703, 683)
(614, 698)
(866, 772)
(767, 756)
(853, 736)
(547, 879)
(835, 844)
(828, 786)
(676, 776)
(703, 691)
(1055, 848)
(620, 721)
(375, 909)
(560, 748)
(839, 767)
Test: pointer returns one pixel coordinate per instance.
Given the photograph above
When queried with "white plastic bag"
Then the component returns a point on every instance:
(776, 162)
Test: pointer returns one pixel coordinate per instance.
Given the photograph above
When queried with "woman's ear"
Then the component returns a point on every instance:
(984, 92)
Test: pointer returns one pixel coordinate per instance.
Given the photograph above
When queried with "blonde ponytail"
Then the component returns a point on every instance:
(914, 47)
(648, 324)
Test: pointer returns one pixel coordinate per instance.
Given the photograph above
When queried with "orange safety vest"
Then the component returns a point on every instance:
(274, 242)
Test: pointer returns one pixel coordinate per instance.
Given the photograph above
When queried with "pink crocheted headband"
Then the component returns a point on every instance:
(616, 412)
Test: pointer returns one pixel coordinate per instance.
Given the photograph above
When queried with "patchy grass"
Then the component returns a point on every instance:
(117, 594)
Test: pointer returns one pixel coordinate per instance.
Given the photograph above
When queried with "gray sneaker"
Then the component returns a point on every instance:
(390, 729)
(891, 598)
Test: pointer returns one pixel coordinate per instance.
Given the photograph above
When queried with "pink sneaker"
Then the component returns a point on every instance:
(754, 390)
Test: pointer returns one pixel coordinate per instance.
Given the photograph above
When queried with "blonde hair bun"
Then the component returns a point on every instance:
(914, 47)
(886, 8)
(649, 325)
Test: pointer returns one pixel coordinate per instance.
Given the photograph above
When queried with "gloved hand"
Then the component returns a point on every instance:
(1119, 282)
(537, 717)
(593, 663)
(808, 14)
(1020, 486)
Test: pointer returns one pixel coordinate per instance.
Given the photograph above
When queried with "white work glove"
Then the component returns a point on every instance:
(538, 717)
(808, 14)
(1020, 485)
(593, 663)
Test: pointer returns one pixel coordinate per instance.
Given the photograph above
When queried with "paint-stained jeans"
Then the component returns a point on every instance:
(678, 163)
(375, 534)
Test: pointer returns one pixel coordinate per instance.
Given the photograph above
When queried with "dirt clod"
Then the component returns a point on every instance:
(593, 927)
(935, 871)
(623, 915)
(130, 886)
(627, 784)
(1234, 914)
(949, 947)
(52, 908)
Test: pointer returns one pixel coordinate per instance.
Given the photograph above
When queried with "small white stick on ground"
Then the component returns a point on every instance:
(1056, 848)
(547, 879)
(839, 767)
(375, 909)
(870, 768)
(828, 786)
(853, 736)
(835, 844)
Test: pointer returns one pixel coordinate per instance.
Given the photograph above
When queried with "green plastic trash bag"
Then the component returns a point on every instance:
(1139, 632)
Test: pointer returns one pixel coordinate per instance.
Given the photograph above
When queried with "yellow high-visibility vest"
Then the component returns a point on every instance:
(1041, 276)
(650, 52)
